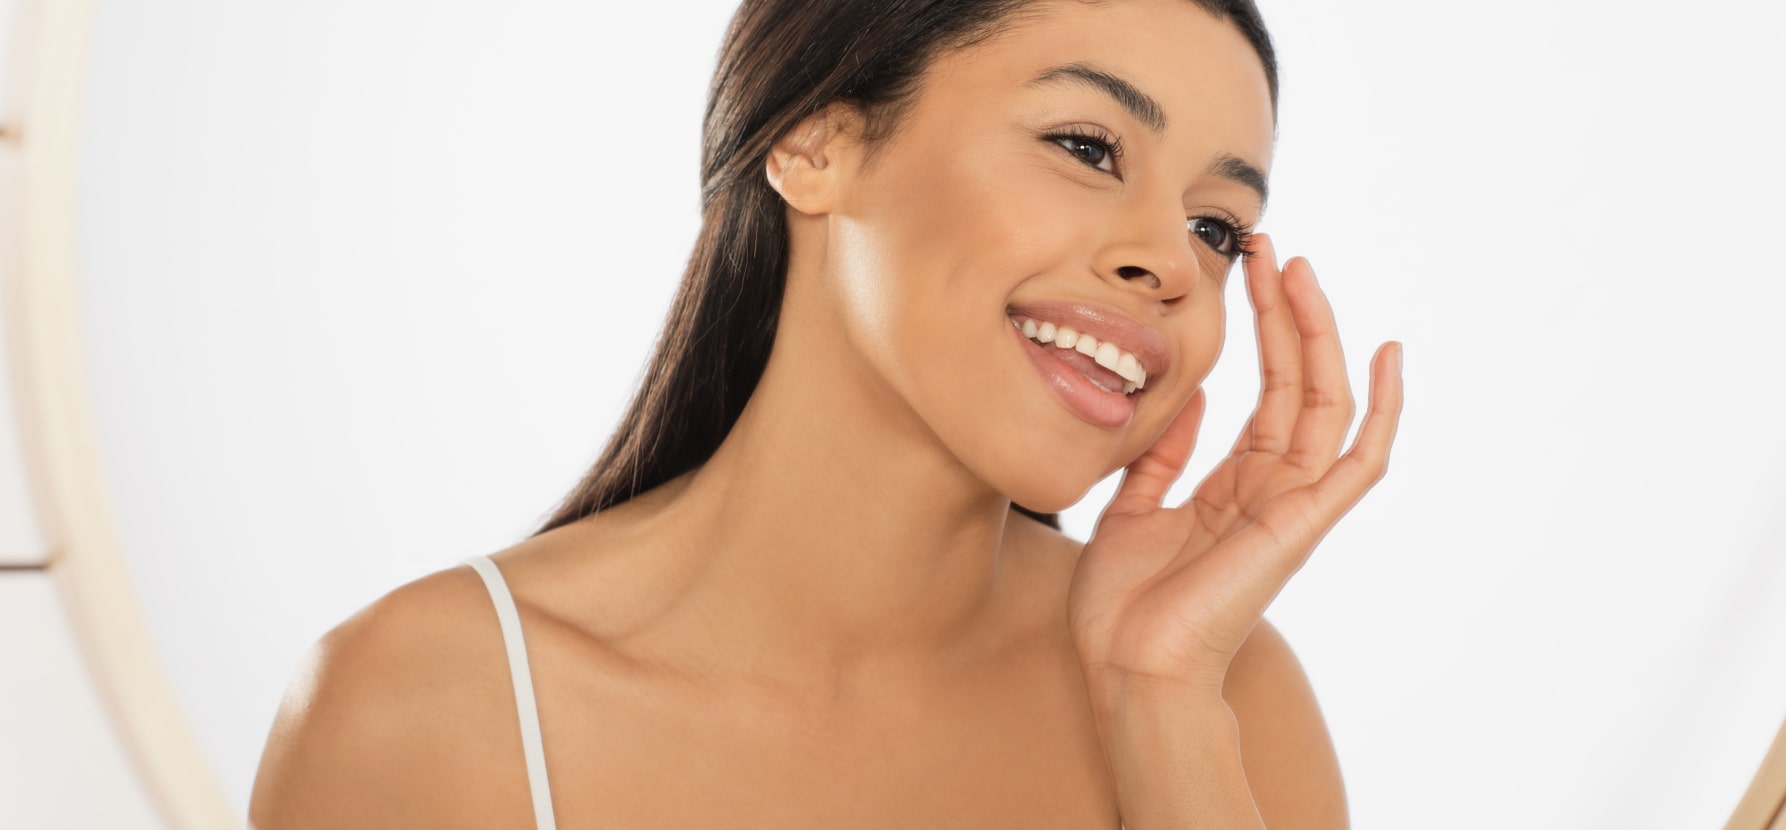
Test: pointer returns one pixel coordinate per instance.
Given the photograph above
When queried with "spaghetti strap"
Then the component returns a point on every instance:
(531, 746)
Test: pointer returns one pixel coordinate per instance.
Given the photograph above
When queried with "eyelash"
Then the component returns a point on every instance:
(1092, 135)
(1240, 232)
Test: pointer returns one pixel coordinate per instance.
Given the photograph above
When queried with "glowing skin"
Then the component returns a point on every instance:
(854, 528)
(969, 211)
(845, 578)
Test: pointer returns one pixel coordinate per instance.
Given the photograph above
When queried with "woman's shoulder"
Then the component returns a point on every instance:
(393, 714)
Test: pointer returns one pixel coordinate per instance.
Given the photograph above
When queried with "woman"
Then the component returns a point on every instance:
(957, 257)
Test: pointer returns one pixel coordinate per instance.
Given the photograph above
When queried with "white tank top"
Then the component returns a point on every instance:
(523, 679)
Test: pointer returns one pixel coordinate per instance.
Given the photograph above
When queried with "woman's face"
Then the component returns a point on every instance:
(1000, 200)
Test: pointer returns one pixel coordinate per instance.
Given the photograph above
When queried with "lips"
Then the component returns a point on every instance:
(1086, 386)
(1104, 323)
(1104, 363)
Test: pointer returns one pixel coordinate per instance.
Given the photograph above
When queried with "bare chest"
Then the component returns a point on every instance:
(1012, 749)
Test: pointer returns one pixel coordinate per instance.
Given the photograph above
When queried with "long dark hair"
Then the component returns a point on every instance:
(782, 61)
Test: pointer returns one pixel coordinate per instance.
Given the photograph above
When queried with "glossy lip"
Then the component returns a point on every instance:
(1074, 390)
(1104, 323)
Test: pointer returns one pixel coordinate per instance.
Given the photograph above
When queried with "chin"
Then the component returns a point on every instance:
(1049, 497)
(1046, 473)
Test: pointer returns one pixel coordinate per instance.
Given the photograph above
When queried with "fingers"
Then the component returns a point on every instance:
(1276, 543)
(1280, 355)
(1305, 400)
(1364, 465)
(1145, 482)
(1326, 395)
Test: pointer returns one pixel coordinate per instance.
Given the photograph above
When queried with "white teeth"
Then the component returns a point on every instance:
(1128, 367)
(1109, 357)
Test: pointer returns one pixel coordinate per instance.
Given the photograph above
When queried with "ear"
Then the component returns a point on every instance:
(807, 163)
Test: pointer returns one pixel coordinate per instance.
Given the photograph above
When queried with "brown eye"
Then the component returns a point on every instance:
(1095, 151)
(1088, 150)
(1214, 233)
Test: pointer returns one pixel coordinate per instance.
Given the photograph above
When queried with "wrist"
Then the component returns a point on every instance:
(1112, 686)
(1173, 749)
(1139, 705)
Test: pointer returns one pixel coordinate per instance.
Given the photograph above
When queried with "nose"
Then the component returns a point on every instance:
(1149, 252)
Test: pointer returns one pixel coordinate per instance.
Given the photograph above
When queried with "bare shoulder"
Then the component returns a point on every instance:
(385, 721)
(1285, 746)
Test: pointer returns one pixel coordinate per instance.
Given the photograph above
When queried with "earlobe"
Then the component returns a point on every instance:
(802, 166)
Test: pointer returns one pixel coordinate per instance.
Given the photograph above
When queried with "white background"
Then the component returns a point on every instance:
(366, 285)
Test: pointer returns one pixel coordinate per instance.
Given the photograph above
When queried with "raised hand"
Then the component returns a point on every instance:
(1171, 593)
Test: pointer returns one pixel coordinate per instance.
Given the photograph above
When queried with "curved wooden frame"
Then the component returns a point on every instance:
(38, 216)
(1763, 806)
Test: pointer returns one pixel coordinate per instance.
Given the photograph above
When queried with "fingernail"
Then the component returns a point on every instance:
(1398, 359)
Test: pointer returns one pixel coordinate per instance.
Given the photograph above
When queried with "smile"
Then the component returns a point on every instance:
(1124, 364)
(1099, 376)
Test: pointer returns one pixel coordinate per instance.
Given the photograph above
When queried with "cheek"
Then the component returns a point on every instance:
(1198, 329)
(927, 255)
(1203, 342)
(1201, 339)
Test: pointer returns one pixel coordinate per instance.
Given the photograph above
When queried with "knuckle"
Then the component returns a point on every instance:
(1279, 378)
(1316, 397)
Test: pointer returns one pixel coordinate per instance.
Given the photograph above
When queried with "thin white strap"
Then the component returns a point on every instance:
(524, 705)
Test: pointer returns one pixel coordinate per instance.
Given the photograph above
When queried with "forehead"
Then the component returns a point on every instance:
(1205, 75)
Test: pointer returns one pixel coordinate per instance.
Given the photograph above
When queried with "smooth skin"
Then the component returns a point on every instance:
(837, 620)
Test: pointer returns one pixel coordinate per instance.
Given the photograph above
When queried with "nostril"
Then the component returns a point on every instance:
(1129, 272)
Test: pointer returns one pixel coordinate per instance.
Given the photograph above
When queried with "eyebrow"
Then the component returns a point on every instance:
(1151, 115)
(1235, 168)
(1139, 104)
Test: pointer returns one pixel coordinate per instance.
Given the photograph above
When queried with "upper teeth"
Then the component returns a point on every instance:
(1106, 354)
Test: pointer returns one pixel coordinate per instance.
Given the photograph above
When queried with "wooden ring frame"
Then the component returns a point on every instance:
(39, 148)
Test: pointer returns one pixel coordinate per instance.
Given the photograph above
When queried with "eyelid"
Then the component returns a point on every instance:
(1241, 231)
(1096, 134)
(1219, 212)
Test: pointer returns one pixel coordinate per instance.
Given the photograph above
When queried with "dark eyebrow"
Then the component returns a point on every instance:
(1149, 112)
(1138, 103)
(1240, 170)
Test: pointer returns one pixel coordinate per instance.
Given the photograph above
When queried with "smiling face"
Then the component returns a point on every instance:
(1086, 169)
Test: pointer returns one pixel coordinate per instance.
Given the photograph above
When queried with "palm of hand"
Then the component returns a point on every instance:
(1172, 592)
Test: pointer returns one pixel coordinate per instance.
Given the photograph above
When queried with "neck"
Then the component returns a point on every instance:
(832, 536)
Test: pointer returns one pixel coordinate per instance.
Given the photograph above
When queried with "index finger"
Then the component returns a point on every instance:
(1280, 354)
